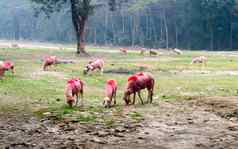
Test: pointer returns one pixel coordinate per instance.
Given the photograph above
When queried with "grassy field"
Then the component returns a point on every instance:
(32, 90)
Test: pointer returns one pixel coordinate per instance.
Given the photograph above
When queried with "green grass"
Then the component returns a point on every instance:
(32, 90)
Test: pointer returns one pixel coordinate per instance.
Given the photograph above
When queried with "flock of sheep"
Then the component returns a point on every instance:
(75, 87)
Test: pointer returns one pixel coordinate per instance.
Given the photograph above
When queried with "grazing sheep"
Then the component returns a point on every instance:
(6, 66)
(153, 52)
(111, 90)
(177, 51)
(93, 65)
(199, 59)
(123, 50)
(73, 91)
(9, 66)
(135, 84)
(49, 61)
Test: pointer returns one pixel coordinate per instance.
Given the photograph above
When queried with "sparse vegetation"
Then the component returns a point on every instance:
(32, 89)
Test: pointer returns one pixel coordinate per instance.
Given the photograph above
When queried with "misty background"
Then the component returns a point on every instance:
(185, 24)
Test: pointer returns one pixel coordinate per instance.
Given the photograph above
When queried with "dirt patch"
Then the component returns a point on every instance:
(30, 44)
(226, 107)
(193, 124)
(29, 132)
(125, 70)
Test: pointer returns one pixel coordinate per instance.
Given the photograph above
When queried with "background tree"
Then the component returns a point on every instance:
(185, 24)
(80, 11)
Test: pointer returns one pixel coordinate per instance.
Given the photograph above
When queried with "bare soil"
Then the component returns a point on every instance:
(209, 123)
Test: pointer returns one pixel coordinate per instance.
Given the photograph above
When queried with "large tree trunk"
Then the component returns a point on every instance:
(79, 27)
(81, 43)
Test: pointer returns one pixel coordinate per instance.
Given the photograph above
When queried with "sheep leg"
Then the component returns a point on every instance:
(110, 102)
(134, 98)
(151, 96)
(140, 97)
(81, 94)
(77, 100)
(45, 68)
(115, 94)
(12, 69)
(148, 96)
(1, 74)
(101, 69)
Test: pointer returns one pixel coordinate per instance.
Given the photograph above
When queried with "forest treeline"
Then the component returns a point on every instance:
(184, 24)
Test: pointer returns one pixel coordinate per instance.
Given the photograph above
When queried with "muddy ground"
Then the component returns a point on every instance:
(209, 123)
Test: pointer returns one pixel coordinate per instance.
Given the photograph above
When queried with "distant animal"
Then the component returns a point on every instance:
(61, 48)
(6, 66)
(123, 50)
(93, 65)
(142, 51)
(15, 45)
(49, 61)
(153, 52)
(74, 91)
(135, 84)
(110, 91)
(199, 59)
(177, 51)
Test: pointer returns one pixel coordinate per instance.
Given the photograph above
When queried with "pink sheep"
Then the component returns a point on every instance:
(6, 66)
(93, 65)
(136, 83)
(123, 50)
(9, 65)
(111, 90)
(73, 91)
(199, 59)
(49, 61)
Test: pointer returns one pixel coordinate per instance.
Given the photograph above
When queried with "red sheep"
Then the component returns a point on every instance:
(9, 65)
(49, 61)
(93, 65)
(111, 90)
(74, 88)
(6, 66)
(136, 83)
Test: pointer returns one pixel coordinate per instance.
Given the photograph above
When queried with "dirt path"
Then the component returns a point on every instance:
(30, 44)
(210, 123)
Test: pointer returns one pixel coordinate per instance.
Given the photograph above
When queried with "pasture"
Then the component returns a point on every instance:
(183, 93)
